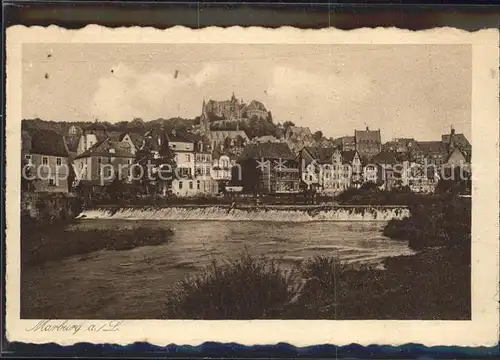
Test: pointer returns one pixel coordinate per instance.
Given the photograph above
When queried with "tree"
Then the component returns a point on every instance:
(142, 179)
(116, 188)
(288, 124)
(269, 116)
(165, 165)
(227, 143)
(318, 135)
(71, 177)
(239, 140)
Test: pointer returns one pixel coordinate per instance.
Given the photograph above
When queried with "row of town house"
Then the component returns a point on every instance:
(261, 165)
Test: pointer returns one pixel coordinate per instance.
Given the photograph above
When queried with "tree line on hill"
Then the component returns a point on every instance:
(253, 127)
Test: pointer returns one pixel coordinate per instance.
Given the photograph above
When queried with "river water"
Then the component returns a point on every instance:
(132, 284)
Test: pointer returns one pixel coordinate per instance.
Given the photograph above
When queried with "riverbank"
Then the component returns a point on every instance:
(431, 285)
(40, 244)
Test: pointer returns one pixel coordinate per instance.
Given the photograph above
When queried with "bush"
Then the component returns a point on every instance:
(39, 245)
(430, 285)
(443, 222)
(245, 288)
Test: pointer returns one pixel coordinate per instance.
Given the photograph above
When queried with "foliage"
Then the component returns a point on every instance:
(455, 181)
(370, 194)
(40, 245)
(431, 285)
(318, 135)
(245, 288)
(442, 222)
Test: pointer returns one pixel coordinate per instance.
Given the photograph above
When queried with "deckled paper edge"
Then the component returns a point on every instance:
(481, 331)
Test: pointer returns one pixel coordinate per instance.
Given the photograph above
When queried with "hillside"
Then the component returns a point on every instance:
(135, 126)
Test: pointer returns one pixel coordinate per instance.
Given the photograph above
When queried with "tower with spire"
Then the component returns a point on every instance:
(451, 145)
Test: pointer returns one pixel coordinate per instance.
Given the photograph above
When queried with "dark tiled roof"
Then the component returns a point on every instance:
(268, 151)
(459, 139)
(348, 156)
(103, 149)
(137, 139)
(48, 142)
(323, 155)
(383, 157)
(464, 154)
(116, 135)
(431, 147)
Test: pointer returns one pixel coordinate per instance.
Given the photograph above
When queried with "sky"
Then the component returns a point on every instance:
(414, 91)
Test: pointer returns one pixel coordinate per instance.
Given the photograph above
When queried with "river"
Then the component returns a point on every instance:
(133, 284)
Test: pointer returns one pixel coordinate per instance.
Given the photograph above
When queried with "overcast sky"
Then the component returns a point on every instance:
(405, 90)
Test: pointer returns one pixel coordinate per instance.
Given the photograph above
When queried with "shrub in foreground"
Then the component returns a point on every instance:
(245, 288)
(430, 285)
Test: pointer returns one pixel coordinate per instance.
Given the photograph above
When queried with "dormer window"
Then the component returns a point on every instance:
(111, 151)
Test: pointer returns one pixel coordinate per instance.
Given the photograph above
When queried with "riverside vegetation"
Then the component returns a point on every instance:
(432, 284)
(50, 242)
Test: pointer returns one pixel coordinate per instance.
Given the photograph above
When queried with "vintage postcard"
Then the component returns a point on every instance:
(252, 186)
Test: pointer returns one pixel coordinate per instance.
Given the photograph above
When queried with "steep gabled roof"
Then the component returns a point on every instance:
(103, 149)
(348, 156)
(47, 142)
(459, 139)
(268, 151)
(383, 157)
(321, 154)
(457, 149)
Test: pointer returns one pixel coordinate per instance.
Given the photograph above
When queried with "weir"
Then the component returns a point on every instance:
(274, 213)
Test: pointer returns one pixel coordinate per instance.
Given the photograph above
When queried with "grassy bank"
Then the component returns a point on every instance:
(41, 244)
(433, 284)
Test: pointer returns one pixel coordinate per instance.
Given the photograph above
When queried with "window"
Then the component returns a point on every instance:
(198, 184)
(28, 159)
(99, 160)
(188, 158)
(180, 185)
(45, 160)
(190, 184)
(51, 182)
(58, 161)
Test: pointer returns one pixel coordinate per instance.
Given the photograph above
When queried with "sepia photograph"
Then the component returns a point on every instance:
(246, 181)
(250, 181)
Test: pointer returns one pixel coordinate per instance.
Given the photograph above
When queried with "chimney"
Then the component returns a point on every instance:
(367, 129)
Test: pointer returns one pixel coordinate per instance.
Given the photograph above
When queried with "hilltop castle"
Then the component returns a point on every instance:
(232, 110)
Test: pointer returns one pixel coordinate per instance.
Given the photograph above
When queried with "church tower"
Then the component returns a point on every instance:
(451, 145)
